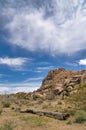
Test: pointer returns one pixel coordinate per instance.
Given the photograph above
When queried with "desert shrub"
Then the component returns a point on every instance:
(59, 103)
(18, 109)
(78, 100)
(9, 125)
(13, 108)
(80, 116)
(1, 111)
(36, 121)
(71, 112)
(40, 101)
(6, 104)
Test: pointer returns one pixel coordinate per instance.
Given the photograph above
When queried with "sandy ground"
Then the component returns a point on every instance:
(22, 121)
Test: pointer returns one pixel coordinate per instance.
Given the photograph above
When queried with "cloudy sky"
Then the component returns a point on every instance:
(37, 36)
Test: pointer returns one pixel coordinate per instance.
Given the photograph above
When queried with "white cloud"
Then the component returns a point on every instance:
(44, 68)
(3, 90)
(36, 79)
(60, 33)
(13, 62)
(71, 64)
(82, 62)
(18, 87)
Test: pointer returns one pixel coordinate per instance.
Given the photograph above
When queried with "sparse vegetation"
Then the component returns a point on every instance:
(48, 98)
(36, 121)
(80, 117)
(1, 111)
(78, 100)
(8, 125)
(6, 104)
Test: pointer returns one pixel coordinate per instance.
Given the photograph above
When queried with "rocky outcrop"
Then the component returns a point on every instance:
(57, 85)
(60, 82)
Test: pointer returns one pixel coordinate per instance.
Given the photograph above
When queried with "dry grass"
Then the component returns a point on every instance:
(20, 121)
(12, 118)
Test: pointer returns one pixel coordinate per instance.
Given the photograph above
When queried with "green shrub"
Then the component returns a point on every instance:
(80, 117)
(8, 126)
(69, 111)
(6, 104)
(78, 99)
(1, 111)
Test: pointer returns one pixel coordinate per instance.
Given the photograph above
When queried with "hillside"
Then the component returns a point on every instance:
(60, 82)
(59, 88)
(62, 92)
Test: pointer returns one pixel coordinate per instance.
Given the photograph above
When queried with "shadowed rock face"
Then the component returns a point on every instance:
(61, 82)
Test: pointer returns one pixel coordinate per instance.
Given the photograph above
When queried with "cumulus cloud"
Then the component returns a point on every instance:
(55, 27)
(13, 62)
(82, 62)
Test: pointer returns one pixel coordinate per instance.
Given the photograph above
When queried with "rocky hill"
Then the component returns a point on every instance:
(62, 96)
(60, 82)
(60, 90)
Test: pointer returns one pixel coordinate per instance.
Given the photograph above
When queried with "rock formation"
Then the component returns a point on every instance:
(60, 82)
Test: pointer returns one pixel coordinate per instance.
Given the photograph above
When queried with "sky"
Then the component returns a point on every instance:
(37, 36)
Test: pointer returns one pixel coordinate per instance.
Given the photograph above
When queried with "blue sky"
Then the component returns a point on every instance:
(37, 36)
